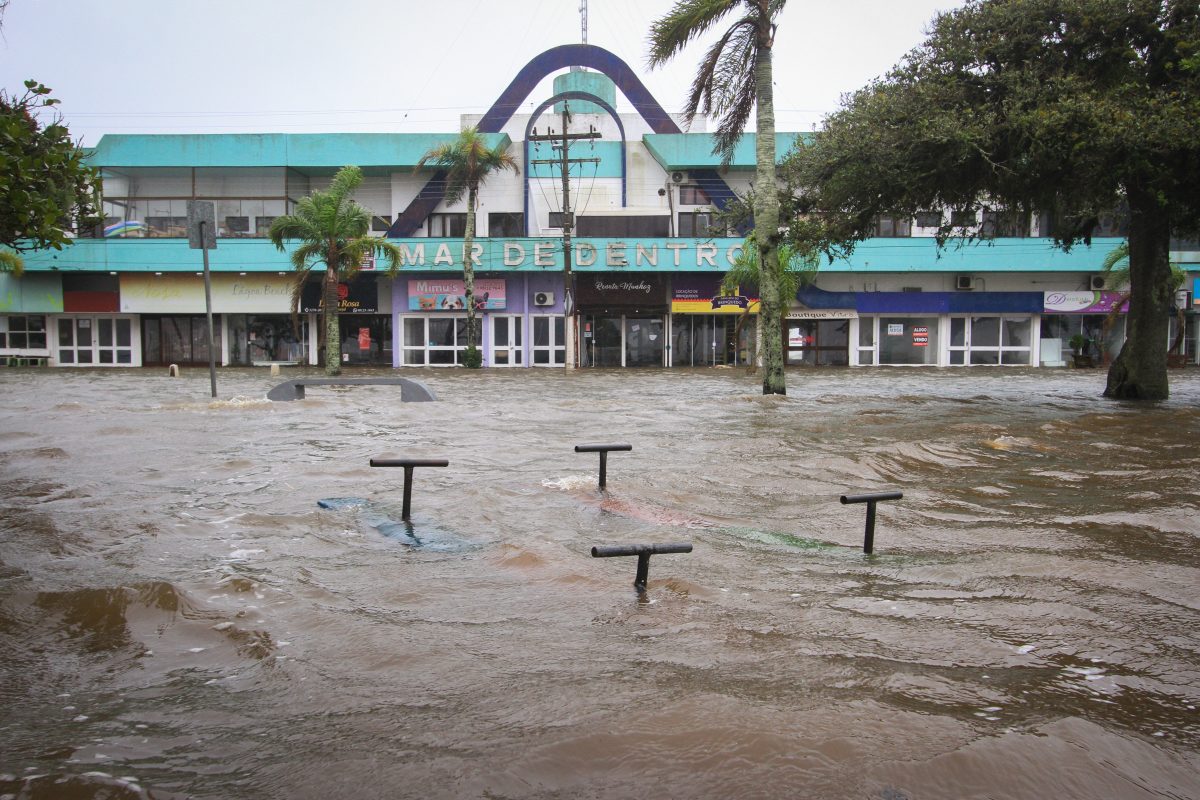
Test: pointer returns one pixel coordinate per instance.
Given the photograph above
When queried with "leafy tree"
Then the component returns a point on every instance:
(1066, 107)
(733, 79)
(333, 233)
(46, 188)
(468, 162)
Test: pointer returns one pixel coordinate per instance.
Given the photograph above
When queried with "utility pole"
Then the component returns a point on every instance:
(562, 143)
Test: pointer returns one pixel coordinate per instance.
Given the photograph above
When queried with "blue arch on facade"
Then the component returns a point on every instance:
(541, 66)
(591, 98)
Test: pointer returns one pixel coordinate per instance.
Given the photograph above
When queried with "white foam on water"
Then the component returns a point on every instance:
(571, 483)
(241, 554)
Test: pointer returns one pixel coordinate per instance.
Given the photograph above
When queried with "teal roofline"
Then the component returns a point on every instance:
(694, 150)
(539, 254)
(299, 150)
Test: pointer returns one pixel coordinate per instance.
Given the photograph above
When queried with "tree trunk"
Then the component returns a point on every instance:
(1139, 372)
(766, 222)
(469, 270)
(333, 336)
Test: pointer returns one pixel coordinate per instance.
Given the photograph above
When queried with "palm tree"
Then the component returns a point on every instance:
(1117, 275)
(333, 232)
(797, 270)
(733, 78)
(468, 162)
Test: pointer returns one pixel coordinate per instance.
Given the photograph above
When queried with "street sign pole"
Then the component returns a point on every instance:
(202, 236)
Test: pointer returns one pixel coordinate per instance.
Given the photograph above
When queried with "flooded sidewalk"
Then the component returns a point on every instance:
(179, 618)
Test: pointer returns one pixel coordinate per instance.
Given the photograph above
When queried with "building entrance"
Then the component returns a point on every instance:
(711, 340)
(628, 340)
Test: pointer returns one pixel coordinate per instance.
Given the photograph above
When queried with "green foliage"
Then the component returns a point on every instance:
(795, 269)
(46, 188)
(735, 78)
(1116, 270)
(725, 83)
(472, 358)
(333, 233)
(468, 162)
(1057, 106)
(1063, 107)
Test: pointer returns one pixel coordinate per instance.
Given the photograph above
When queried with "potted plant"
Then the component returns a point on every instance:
(1079, 346)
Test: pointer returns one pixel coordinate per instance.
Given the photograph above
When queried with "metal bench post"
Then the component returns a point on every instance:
(408, 464)
(602, 449)
(870, 499)
(643, 553)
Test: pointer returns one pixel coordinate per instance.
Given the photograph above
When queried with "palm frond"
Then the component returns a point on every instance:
(796, 269)
(711, 82)
(307, 255)
(687, 21)
(467, 162)
(390, 253)
(11, 262)
(1116, 266)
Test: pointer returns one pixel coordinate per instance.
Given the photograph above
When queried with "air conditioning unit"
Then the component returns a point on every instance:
(1096, 282)
(543, 298)
(678, 177)
(965, 282)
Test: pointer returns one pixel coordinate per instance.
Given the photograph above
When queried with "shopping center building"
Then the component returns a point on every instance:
(647, 256)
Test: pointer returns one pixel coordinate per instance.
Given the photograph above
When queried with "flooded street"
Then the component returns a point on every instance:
(179, 618)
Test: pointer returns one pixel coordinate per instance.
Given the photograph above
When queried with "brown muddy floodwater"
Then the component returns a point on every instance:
(178, 618)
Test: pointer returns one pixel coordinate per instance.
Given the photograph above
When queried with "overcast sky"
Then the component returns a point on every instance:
(297, 66)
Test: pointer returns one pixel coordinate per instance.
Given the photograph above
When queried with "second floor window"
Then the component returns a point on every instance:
(963, 218)
(691, 195)
(892, 227)
(697, 224)
(999, 222)
(506, 223)
(447, 226)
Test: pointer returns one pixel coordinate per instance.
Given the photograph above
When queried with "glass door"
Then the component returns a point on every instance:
(506, 341)
(95, 341)
(601, 342)
(644, 342)
(549, 341)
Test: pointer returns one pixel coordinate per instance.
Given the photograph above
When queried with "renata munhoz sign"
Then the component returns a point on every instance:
(607, 255)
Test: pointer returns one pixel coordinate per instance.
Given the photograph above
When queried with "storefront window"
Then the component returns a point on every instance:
(1017, 342)
(23, 332)
(1062, 327)
(366, 339)
(818, 343)
(435, 341)
(990, 340)
(984, 340)
(176, 340)
(644, 341)
(267, 338)
(908, 340)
